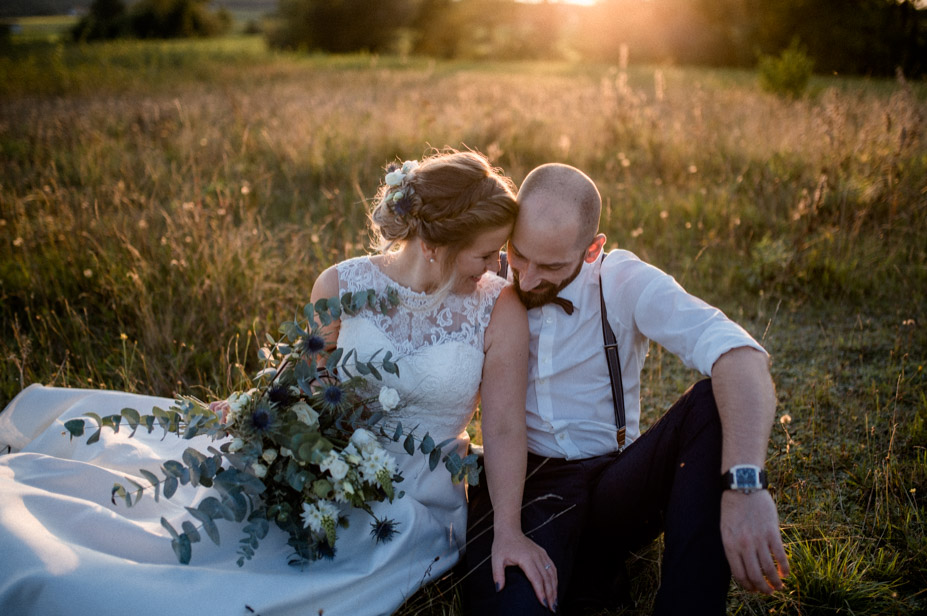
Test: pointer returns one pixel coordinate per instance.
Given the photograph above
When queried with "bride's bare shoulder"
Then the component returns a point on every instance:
(326, 285)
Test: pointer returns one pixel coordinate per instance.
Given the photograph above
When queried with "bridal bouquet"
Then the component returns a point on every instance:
(298, 450)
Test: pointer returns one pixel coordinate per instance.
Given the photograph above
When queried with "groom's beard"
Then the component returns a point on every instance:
(545, 292)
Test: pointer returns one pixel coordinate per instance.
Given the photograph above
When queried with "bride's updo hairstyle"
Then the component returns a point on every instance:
(446, 200)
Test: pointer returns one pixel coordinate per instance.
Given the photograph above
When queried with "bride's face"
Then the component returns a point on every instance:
(479, 257)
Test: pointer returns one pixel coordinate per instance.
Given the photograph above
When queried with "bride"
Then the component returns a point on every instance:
(461, 338)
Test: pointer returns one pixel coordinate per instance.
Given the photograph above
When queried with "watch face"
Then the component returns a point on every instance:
(746, 478)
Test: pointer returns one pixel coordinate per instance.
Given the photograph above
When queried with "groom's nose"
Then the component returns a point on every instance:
(528, 278)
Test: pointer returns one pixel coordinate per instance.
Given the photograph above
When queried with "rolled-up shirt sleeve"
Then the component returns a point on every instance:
(685, 325)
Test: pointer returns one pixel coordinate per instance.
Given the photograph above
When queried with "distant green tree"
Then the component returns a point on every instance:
(788, 73)
(106, 19)
(341, 26)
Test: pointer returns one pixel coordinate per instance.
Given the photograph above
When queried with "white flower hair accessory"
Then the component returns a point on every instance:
(399, 195)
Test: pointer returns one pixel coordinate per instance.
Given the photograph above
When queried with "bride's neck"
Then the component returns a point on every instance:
(409, 268)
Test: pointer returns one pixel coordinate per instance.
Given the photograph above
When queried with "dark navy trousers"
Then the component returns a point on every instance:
(589, 514)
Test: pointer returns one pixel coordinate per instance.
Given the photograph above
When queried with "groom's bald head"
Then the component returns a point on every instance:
(558, 196)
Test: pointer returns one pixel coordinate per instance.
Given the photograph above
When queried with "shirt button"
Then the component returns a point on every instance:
(549, 320)
(561, 436)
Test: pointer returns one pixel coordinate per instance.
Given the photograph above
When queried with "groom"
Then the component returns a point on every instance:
(596, 488)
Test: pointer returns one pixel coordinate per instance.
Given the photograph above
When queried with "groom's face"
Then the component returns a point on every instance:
(543, 263)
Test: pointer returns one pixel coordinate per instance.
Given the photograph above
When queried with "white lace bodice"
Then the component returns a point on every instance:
(437, 342)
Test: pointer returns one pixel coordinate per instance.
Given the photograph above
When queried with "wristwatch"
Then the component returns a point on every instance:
(744, 478)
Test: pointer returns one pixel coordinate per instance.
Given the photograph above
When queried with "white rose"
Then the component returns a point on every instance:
(335, 465)
(305, 413)
(259, 470)
(389, 398)
(287, 453)
(269, 456)
(236, 444)
(394, 178)
(361, 438)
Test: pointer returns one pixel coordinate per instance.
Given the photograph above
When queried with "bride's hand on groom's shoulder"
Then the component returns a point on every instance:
(514, 549)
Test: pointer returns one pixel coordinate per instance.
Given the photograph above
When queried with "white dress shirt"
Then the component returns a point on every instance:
(569, 401)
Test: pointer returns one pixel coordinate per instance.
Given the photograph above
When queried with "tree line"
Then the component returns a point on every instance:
(870, 37)
(874, 37)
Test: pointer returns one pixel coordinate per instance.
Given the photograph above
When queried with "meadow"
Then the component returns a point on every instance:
(164, 205)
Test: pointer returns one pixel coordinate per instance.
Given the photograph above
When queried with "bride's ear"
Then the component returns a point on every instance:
(428, 251)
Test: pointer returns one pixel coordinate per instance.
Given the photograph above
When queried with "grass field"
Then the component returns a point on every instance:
(163, 205)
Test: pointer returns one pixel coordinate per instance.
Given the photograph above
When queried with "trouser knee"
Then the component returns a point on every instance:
(701, 408)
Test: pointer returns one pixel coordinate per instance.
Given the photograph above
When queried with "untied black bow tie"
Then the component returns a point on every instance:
(564, 303)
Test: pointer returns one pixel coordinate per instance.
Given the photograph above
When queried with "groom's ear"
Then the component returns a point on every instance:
(595, 248)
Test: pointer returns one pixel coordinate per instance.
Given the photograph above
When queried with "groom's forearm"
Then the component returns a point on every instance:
(746, 400)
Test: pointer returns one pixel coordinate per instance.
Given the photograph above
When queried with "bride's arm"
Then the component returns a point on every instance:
(325, 287)
(505, 377)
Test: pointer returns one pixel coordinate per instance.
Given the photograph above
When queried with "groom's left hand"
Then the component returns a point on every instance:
(752, 541)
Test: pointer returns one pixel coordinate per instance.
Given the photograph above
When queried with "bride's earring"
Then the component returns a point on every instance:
(431, 260)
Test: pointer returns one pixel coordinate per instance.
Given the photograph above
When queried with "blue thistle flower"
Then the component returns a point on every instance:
(333, 396)
(280, 394)
(403, 205)
(383, 530)
(313, 344)
(262, 419)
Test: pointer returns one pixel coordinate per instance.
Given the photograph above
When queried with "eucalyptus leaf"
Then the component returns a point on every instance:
(182, 549)
(428, 444)
(398, 433)
(335, 357)
(409, 445)
(139, 490)
(173, 468)
(258, 527)
(190, 531)
(75, 427)
(169, 528)
(132, 418)
(112, 421)
(434, 459)
(95, 436)
(453, 463)
(170, 486)
(153, 480)
(120, 491)
(209, 525)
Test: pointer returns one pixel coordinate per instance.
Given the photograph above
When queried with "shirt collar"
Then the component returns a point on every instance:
(574, 290)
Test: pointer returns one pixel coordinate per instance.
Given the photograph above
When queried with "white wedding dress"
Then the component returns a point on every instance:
(66, 550)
